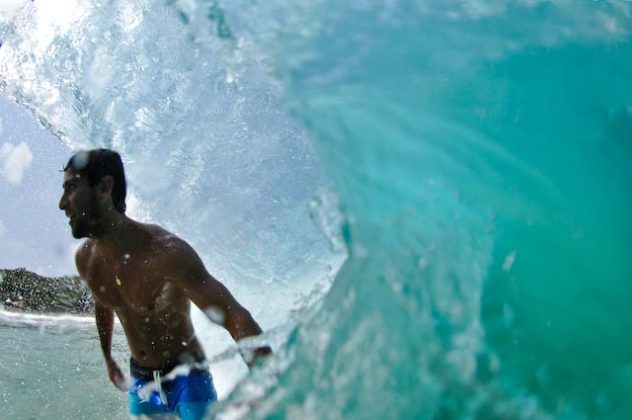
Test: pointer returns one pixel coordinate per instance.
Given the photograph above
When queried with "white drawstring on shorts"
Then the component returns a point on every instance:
(158, 384)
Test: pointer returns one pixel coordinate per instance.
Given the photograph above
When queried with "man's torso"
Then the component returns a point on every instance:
(153, 310)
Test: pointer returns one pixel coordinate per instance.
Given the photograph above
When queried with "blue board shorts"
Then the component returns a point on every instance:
(188, 396)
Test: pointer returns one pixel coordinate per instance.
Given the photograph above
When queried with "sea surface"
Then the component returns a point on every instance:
(425, 203)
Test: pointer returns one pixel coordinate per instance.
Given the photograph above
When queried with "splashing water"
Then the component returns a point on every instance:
(478, 152)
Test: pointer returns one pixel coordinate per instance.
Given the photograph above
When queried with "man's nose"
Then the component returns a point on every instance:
(63, 202)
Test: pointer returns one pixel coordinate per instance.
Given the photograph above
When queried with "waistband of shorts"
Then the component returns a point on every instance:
(146, 373)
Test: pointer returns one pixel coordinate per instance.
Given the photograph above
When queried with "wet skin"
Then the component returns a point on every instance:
(147, 277)
(142, 290)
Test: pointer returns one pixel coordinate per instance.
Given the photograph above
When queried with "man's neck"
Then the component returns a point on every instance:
(120, 234)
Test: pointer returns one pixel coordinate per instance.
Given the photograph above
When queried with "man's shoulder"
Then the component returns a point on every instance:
(83, 254)
(154, 231)
(85, 249)
(169, 248)
(163, 239)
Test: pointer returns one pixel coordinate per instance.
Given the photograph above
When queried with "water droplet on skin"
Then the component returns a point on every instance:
(215, 314)
(80, 161)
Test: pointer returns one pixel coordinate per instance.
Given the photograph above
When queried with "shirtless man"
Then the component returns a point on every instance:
(148, 277)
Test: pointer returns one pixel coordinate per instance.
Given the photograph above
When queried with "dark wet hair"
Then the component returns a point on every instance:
(98, 163)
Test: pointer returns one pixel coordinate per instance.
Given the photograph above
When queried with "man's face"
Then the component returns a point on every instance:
(79, 202)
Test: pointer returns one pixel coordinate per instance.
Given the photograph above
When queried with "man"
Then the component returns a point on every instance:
(148, 277)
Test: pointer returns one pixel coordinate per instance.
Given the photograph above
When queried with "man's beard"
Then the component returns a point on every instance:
(88, 223)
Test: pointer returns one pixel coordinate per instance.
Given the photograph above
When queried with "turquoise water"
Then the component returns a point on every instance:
(479, 154)
(52, 368)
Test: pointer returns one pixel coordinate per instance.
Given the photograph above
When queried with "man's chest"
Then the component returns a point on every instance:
(132, 286)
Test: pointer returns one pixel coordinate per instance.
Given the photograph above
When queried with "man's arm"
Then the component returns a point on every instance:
(215, 300)
(221, 307)
(104, 317)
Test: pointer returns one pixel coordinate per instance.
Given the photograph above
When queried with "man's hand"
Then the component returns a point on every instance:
(256, 356)
(116, 376)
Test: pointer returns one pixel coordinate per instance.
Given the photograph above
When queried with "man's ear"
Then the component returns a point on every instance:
(105, 187)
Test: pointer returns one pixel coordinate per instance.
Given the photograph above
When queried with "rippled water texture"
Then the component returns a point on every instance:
(479, 153)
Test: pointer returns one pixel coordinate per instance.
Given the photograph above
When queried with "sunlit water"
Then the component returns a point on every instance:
(479, 153)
